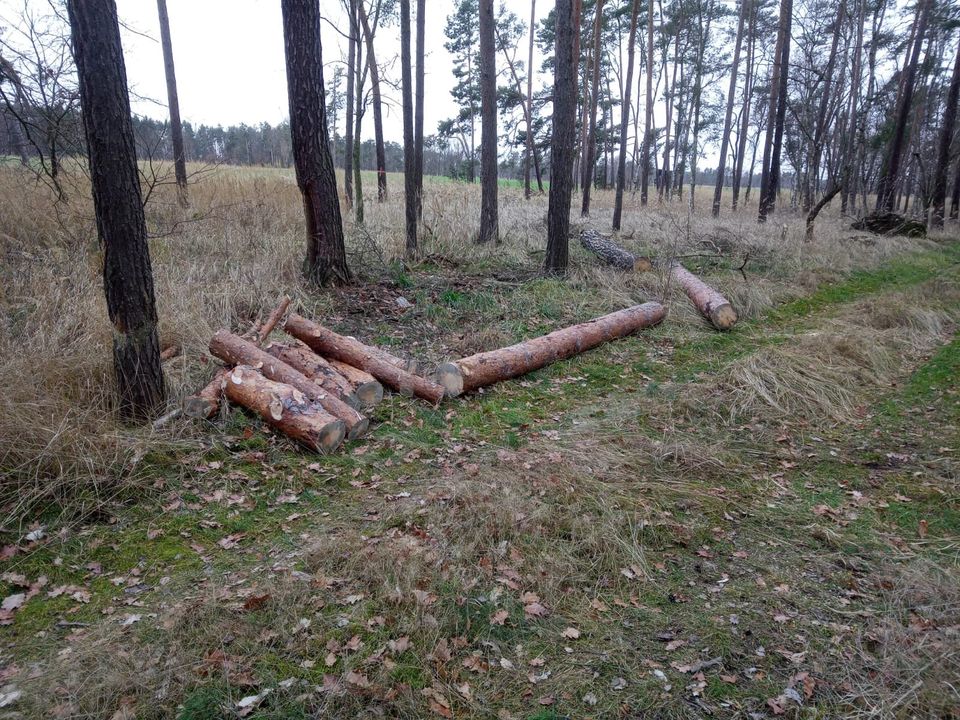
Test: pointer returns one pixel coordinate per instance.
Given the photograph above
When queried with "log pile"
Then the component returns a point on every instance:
(316, 387)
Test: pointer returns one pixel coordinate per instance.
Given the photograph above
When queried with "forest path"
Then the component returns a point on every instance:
(677, 524)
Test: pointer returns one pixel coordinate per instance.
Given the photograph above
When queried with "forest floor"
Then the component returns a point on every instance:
(680, 524)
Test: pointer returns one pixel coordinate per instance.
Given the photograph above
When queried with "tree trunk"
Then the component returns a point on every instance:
(748, 83)
(888, 183)
(590, 149)
(315, 368)
(489, 221)
(848, 190)
(234, 350)
(815, 210)
(612, 254)
(648, 123)
(358, 209)
(365, 386)
(770, 176)
(943, 150)
(377, 104)
(495, 366)
(820, 129)
(567, 55)
(326, 259)
(625, 116)
(351, 92)
(114, 179)
(173, 102)
(284, 408)
(418, 112)
(529, 152)
(728, 116)
(955, 194)
(351, 351)
(409, 151)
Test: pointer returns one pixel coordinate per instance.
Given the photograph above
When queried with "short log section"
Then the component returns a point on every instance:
(711, 304)
(612, 254)
(315, 368)
(353, 352)
(367, 388)
(234, 350)
(494, 366)
(285, 408)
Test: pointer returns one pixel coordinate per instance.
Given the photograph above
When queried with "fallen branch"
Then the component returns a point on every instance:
(234, 350)
(494, 366)
(285, 408)
(353, 352)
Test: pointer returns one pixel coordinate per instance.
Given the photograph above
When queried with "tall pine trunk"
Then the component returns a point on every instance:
(728, 116)
(489, 223)
(748, 84)
(648, 122)
(351, 93)
(326, 260)
(943, 150)
(562, 144)
(770, 173)
(820, 129)
(590, 148)
(409, 152)
(377, 104)
(173, 103)
(625, 116)
(418, 112)
(117, 202)
(847, 190)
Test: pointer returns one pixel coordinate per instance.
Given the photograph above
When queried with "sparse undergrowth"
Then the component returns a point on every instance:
(682, 523)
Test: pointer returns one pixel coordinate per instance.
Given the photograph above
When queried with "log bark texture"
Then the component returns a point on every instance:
(204, 404)
(612, 254)
(491, 367)
(235, 350)
(350, 350)
(285, 408)
(366, 387)
(711, 304)
(315, 368)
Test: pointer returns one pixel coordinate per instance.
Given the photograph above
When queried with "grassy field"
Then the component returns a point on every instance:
(681, 524)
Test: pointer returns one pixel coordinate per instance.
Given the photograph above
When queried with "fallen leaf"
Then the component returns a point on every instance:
(571, 633)
(499, 617)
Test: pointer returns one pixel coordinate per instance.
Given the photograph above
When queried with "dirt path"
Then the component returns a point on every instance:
(682, 524)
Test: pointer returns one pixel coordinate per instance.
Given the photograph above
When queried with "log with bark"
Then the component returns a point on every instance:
(612, 254)
(284, 407)
(711, 304)
(366, 387)
(234, 350)
(491, 367)
(351, 351)
(314, 367)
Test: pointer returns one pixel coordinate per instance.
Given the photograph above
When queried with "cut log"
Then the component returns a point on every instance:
(285, 408)
(890, 224)
(612, 254)
(491, 367)
(204, 404)
(234, 350)
(351, 351)
(315, 368)
(368, 389)
(411, 365)
(711, 304)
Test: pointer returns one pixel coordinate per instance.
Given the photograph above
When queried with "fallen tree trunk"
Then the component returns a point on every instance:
(315, 368)
(711, 304)
(235, 350)
(285, 408)
(831, 193)
(490, 367)
(351, 351)
(890, 224)
(612, 254)
(367, 388)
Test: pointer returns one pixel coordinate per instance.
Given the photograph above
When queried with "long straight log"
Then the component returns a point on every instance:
(235, 350)
(368, 389)
(315, 368)
(353, 352)
(491, 367)
(711, 304)
(285, 408)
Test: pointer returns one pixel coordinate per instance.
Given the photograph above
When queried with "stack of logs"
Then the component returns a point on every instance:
(317, 387)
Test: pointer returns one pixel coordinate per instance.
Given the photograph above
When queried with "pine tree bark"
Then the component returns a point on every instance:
(495, 366)
(590, 149)
(748, 83)
(770, 176)
(728, 116)
(326, 259)
(562, 144)
(848, 190)
(489, 218)
(421, 91)
(377, 104)
(409, 151)
(648, 124)
(315, 368)
(625, 116)
(173, 103)
(351, 93)
(365, 386)
(529, 153)
(943, 150)
(888, 182)
(121, 227)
